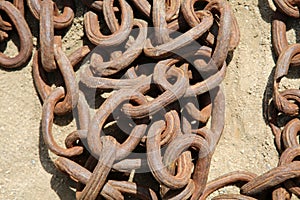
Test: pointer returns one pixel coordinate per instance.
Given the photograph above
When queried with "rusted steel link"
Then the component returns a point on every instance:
(172, 127)
(101, 171)
(158, 169)
(24, 33)
(206, 133)
(178, 24)
(127, 165)
(282, 103)
(40, 78)
(20, 5)
(207, 84)
(179, 145)
(281, 194)
(272, 115)
(200, 175)
(108, 192)
(109, 15)
(272, 178)
(131, 73)
(92, 27)
(47, 36)
(200, 61)
(279, 37)
(173, 46)
(110, 104)
(83, 116)
(184, 159)
(161, 73)
(213, 135)
(233, 197)
(224, 34)
(112, 189)
(86, 77)
(77, 56)
(223, 39)
(71, 97)
(115, 65)
(159, 22)
(74, 170)
(124, 149)
(143, 6)
(83, 175)
(170, 95)
(186, 126)
(287, 157)
(212, 77)
(200, 114)
(72, 139)
(171, 8)
(133, 189)
(288, 7)
(90, 165)
(192, 19)
(226, 180)
(96, 5)
(60, 21)
(181, 194)
(4, 25)
(290, 132)
(47, 122)
(3, 36)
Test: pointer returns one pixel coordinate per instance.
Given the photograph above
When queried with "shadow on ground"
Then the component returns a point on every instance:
(60, 182)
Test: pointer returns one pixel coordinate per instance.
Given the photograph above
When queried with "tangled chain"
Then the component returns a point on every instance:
(284, 109)
(163, 79)
(165, 95)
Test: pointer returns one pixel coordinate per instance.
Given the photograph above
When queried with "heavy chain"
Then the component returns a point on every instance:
(283, 111)
(162, 82)
(165, 94)
(282, 181)
(16, 18)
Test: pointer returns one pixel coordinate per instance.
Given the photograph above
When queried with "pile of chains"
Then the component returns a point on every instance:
(283, 114)
(162, 63)
(165, 101)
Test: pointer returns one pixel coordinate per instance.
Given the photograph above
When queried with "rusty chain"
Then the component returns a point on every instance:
(163, 63)
(154, 104)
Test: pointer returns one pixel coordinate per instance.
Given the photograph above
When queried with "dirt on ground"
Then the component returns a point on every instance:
(26, 167)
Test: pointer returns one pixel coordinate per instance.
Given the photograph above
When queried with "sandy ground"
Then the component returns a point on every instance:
(26, 169)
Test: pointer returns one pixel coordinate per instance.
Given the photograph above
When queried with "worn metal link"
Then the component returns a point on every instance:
(94, 34)
(226, 180)
(60, 20)
(26, 46)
